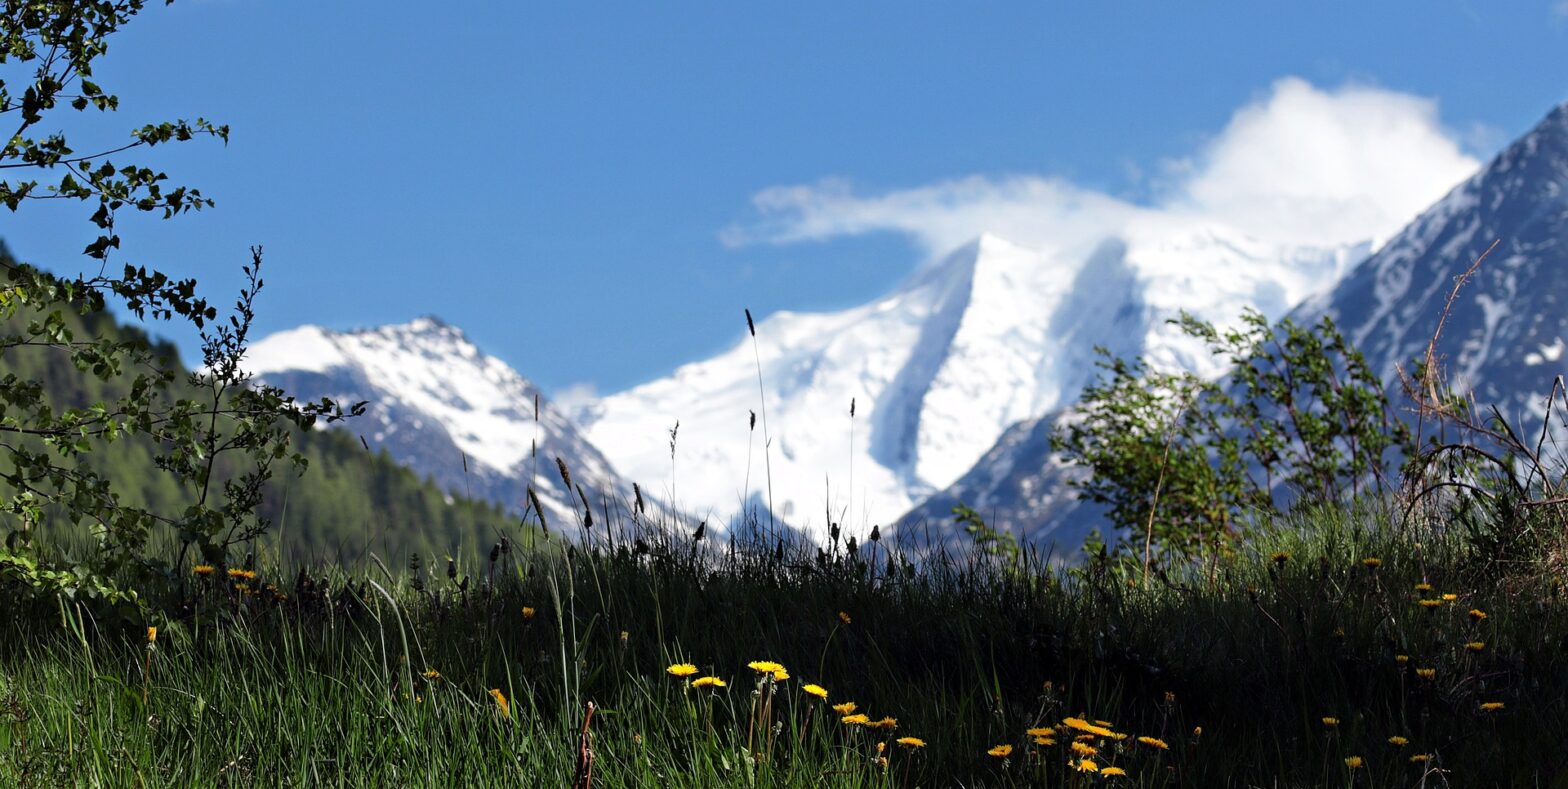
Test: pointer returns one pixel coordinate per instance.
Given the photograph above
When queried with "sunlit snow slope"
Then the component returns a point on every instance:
(993, 334)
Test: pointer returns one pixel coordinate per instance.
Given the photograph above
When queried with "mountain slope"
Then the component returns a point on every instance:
(444, 408)
(347, 502)
(1505, 334)
(1504, 337)
(992, 334)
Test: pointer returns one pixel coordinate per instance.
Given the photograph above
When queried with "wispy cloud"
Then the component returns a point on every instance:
(1298, 165)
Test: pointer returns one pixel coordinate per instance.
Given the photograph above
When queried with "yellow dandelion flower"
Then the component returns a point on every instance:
(707, 682)
(858, 719)
(780, 675)
(1197, 731)
(528, 613)
(765, 666)
(682, 670)
(1450, 597)
(152, 635)
(1421, 758)
(1372, 562)
(1041, 731)
(882, 762)
(1281, 557)
(1330, 722)
(1001, 751)
(249, 575)
(843, 617)
(1401, 659)
(1084, 726)
(1476, 646)
(816, 690)
(1106, 724)
(501, 702)
(1086, 766)
(1354, 762)
(911, 742)
(1426, 673)
(1154, 742)
(885, 723)
(431, 673)
(1423, 587)
(1491, 706)
(845, 708)
(1044, 741)
(1430, 604)
(881, 746)
(1085, 749)
(1477, 614)
(1112, 772)
(1398, 741)
(203, 569)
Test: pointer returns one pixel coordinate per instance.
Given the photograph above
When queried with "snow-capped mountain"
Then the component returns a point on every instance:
(445, 409)
(1505, 335)
(1504, 338)
(990, 335)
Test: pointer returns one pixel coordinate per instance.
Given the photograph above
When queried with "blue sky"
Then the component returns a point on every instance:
(595, 191)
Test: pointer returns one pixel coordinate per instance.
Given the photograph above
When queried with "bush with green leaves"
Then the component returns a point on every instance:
(47, 445)
(1178, 461)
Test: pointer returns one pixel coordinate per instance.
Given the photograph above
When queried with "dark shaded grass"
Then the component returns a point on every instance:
(320, 688)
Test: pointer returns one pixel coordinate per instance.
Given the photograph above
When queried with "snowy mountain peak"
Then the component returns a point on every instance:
(441, 405)
(1504, 337)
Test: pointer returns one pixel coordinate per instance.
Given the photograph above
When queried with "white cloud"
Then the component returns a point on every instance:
(575, 399)
(1312, 167)
(942, 216)
(1300, 165)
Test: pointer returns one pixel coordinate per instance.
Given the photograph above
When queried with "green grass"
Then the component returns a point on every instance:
(325, 688)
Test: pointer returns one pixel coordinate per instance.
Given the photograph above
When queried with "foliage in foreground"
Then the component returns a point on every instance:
(48, 449)
(1178, 459)
(1339, 650)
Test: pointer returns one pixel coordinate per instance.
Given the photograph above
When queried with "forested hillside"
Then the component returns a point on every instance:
(349, 501)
